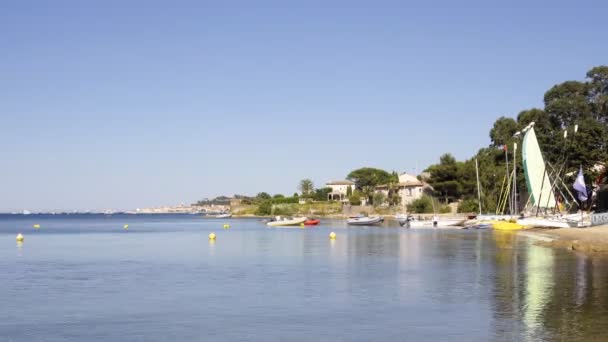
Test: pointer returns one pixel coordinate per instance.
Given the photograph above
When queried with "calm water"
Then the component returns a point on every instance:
(84, 278)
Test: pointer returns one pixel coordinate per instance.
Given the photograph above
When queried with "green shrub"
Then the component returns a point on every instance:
(379, 198)
(321, 194)
(355, 198)
(284, 210)
(423, 205)
(285, 200)
(264, 208)
(468, 206)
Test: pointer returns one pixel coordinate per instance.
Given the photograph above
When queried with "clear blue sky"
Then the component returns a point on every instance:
(125, 104)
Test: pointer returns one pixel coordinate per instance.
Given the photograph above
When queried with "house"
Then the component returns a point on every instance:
(339, 190)
(409, 188)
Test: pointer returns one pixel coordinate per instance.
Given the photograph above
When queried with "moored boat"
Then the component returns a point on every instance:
(506, 225)
(311, 222)
(364, 220)
(285, 221)
(411, 222)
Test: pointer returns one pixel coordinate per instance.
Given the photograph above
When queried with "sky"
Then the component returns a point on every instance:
(132, 104)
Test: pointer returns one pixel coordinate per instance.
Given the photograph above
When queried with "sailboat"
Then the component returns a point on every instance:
(541, 187)
(499, 220)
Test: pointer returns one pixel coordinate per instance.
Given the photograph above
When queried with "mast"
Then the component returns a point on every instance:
(515, 208)
(507, 164)
(478, 186)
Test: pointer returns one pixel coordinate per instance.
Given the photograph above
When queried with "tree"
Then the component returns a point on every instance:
(277, 196)
(568, 102)
(306, 187)
(502, 131)
(321, 194)
(422, 205)
(468, 206)
(445, 178)
(355, 198)
(264, 208)
(349, 191)
(589, 146)
(394, 199)
(393, 196)
(263, 196)
(598, 92)
(379, 198)
(367, 179)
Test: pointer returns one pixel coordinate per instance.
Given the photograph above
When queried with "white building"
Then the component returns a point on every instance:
(409, 188)
(339, 189)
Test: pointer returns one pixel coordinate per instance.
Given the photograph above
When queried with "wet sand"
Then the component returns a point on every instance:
(591, 240)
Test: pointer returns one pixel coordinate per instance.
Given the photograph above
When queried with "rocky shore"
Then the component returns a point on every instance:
(588, 240)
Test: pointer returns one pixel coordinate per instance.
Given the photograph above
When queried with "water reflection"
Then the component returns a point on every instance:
(211, 247)
(19, 248)
(542, 293)
(539, 286)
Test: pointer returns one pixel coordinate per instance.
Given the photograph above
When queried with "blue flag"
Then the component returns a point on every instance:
(579, 186)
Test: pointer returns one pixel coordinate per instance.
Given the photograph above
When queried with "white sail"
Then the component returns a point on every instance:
(537, 179)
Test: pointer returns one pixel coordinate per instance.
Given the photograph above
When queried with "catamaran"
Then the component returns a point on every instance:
(544, 188)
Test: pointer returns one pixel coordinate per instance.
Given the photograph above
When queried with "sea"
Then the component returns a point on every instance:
(87, 277)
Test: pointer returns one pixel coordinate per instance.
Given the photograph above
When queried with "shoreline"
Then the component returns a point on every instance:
(587, 240)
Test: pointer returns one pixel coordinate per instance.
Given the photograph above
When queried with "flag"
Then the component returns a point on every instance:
(579, 186)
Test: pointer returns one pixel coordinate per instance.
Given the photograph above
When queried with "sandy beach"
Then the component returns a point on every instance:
(592, 240)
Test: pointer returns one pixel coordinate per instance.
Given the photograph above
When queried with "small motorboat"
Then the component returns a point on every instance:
(285, 221)
(312, 222)
(364, 220)
(227, 215)
(411, 222)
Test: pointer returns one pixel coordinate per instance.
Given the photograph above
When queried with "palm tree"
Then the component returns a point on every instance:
(393, 189)
(306, 186)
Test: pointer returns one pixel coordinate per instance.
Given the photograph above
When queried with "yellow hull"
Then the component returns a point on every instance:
(506, 225)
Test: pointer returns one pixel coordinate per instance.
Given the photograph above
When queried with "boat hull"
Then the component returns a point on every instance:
(311, 222)
(430, 223)
(282, 223)
(365, 221)
(506, 225)
(543, 223)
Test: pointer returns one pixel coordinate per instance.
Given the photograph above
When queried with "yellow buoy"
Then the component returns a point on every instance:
(19, 238)
(301, 225)
(332, 236)
(36, 226)
(126, 226)
(212, 237)
(226, 226)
